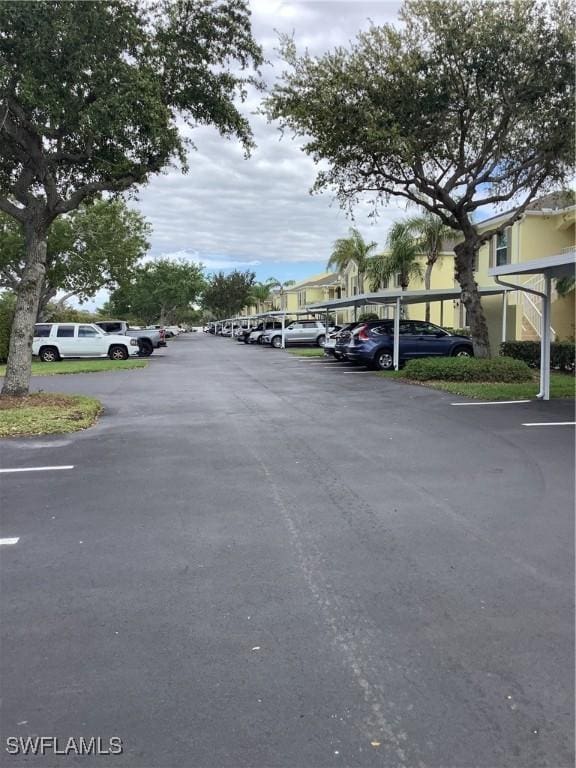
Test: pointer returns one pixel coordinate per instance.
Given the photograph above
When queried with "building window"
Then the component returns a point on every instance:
(502, 248)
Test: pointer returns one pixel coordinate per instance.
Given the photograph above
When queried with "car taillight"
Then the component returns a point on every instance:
(363, 333)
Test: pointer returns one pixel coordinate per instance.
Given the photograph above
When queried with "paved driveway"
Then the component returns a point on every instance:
(263, 561)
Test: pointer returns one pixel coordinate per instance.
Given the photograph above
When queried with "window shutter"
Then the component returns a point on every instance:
(508, 245)
(492, 251)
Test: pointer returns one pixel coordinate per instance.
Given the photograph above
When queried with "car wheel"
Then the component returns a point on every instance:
(49, 355)
(384, 361)
(145, 348)
(321, 340)
(337, 356)
(118, 353)
(277, 342)
(259, 340)
(462, 352)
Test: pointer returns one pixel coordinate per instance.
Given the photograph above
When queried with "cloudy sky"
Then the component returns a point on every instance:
(257, 213)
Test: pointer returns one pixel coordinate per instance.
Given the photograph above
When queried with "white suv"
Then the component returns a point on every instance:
(53, 341)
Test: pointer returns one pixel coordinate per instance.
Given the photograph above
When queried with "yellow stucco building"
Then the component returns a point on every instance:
(546, 228)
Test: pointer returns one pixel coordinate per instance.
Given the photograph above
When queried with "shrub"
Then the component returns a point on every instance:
(7, 302)
(562, 353)
(498, 369)
(365, 317)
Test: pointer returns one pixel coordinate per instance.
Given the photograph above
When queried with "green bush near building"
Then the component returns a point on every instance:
(499, 369)
(562, 353)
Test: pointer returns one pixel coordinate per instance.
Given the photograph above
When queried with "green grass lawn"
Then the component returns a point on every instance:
(82, 366)
(315, 352)
(46, 414)
(561, 385)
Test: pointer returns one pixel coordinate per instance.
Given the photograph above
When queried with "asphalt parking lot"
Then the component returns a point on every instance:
(260, 560)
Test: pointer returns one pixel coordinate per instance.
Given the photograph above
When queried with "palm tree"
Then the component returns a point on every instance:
(430, 232)
(401, 259)
(273, 282)
(259, 294)
(351, 250)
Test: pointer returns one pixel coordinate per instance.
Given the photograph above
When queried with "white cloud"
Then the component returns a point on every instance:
(231, 211)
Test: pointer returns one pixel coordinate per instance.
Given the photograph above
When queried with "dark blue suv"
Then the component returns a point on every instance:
(373, 343)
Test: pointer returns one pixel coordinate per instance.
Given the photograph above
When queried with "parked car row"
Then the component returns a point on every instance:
(105, 338)
(369, 343)
(307, 332)
(372, 343)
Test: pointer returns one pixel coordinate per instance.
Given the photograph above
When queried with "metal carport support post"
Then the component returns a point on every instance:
(284, 331)
(544, 393)
(504, 314)
(397, 335)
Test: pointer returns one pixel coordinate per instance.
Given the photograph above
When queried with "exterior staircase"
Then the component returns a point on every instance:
(532, 310)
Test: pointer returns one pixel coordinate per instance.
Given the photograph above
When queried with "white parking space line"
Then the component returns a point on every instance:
(550, 424)
(37, 469)
(496, 402)
(366, 370)
(8, 542)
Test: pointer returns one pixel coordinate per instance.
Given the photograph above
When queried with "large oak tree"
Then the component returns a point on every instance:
(226, 295)
(467, 103)
(95, 247)
(94, 97)
(161, 291)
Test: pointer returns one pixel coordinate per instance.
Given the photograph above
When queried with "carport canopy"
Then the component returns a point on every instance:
(281, 314)
(398, 297)
(552, 267)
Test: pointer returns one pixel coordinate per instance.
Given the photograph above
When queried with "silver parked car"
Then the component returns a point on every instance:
(298, 332)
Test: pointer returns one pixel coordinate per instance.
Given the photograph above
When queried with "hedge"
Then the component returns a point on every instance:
(6, 315)
(498, 369)
(562, 353)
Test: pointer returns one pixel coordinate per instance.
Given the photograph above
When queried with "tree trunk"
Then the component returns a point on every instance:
(61, 303)
(427, 281)
(46, 296)
(19, 365)
(404, 311)
(464, 272)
